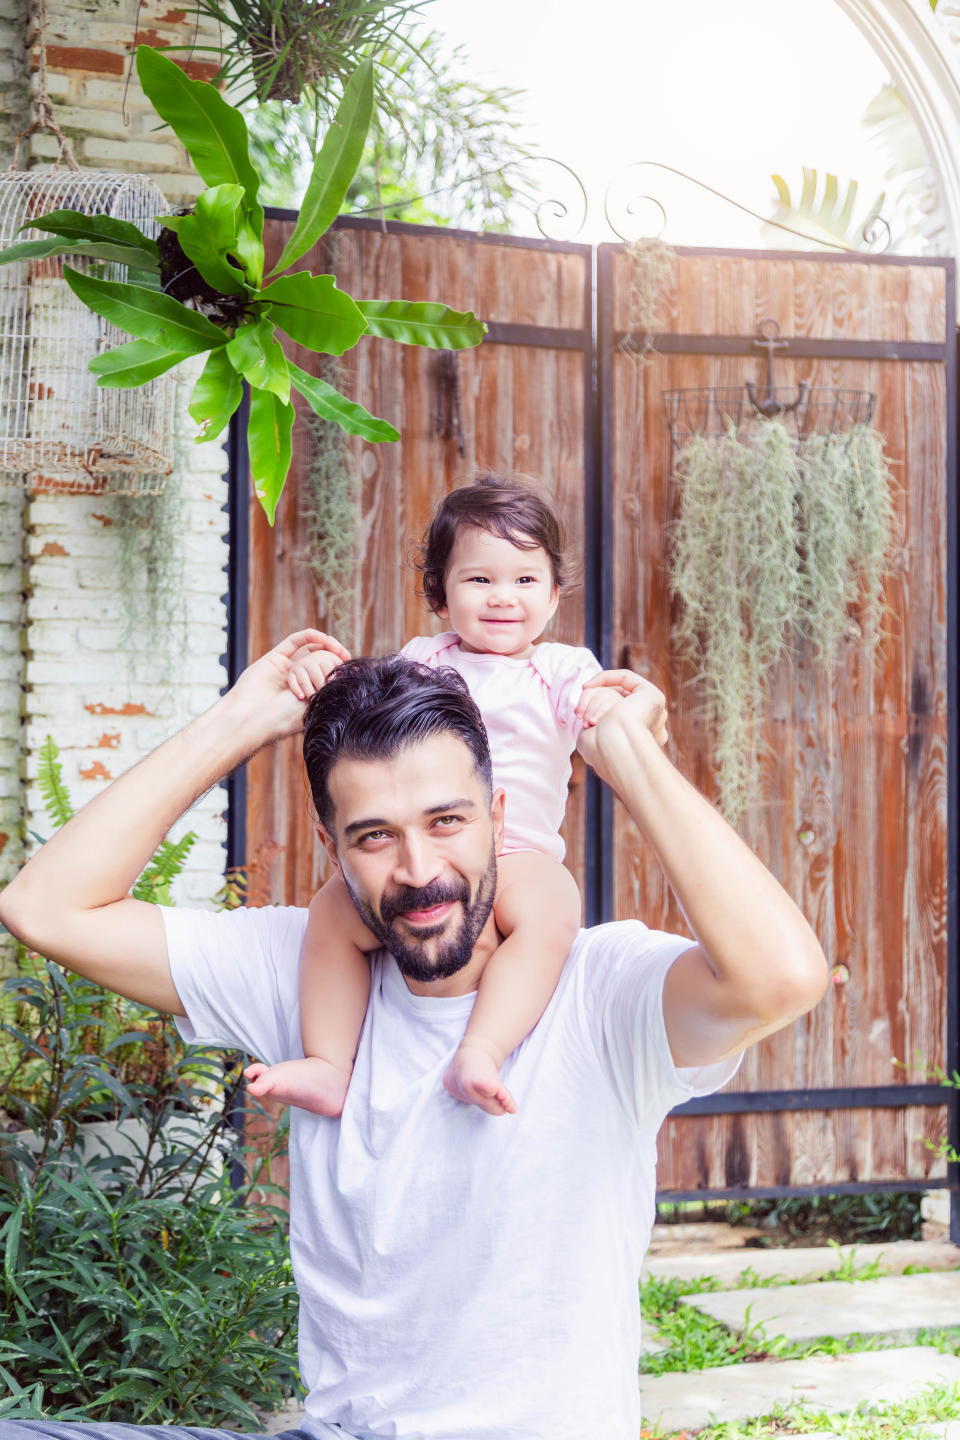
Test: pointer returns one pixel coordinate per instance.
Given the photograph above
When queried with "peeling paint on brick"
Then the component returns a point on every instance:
(69, 57)
(96, 771)
(129, 708)
(4, 837)
(105, 520)
(53, 547)
(109, 740)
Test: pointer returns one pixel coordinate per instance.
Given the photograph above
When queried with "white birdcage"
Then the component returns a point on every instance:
(60, 432)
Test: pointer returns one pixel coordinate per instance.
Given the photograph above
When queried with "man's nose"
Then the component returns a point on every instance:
(417, 862)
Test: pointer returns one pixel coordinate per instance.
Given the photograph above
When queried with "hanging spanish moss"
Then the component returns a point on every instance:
(775, 542)
(652, 268)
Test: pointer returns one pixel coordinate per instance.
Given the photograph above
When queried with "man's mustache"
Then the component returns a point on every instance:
(408, 897)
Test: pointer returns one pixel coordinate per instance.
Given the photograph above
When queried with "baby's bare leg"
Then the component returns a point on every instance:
(334, 989)
(537, 911)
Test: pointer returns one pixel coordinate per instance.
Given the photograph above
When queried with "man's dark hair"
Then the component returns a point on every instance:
(373, 709)
(501, 505)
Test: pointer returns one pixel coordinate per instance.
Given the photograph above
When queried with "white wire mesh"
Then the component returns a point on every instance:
(59, 432)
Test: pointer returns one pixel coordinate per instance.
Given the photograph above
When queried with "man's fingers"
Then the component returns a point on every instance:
(624, 680)
(317, 639)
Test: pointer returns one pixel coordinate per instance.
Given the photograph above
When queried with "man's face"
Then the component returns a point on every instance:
(416, 841)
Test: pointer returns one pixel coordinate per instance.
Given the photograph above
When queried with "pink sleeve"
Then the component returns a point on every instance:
(566, 668)
(426, 648)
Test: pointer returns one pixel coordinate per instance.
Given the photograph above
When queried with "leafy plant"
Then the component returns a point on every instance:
(775, 542)
(278, 49)
(137, 1284)
(202, 289)
(70, 1050)
(443, 147)
(124, 1306)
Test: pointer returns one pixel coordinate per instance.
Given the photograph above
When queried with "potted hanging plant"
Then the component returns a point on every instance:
(201, 287)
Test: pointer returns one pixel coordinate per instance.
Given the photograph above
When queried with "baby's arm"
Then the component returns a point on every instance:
(334, 989)
(537, 911)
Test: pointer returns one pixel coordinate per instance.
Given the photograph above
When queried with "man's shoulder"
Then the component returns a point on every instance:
(600, 952)
(272, 928)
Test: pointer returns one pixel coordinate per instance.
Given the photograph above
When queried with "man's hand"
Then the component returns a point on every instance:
(617, 702)
(278, 685)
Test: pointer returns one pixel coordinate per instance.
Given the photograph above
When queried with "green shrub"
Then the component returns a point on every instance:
(145, 1273)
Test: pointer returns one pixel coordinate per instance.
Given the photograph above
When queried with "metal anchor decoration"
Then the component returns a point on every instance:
(766, 403)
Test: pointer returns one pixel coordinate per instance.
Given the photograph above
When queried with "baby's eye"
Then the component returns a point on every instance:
(527, 580)
(478, 580)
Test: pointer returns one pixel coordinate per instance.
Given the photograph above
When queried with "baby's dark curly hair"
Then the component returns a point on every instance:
(502, 505)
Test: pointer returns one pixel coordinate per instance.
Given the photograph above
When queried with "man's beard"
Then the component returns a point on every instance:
(410, 952)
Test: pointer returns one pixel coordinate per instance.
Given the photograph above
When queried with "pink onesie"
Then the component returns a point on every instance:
(528, 708)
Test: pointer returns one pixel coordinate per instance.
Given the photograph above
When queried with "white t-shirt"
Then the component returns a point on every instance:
(463, 1277)
(528, 707)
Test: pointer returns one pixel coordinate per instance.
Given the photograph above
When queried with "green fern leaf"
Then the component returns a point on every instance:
(157, 877)
(56, 800)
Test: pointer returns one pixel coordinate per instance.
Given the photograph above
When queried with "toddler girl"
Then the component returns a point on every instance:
(493, 568)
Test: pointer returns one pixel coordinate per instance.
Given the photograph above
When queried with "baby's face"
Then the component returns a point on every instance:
(499, 597)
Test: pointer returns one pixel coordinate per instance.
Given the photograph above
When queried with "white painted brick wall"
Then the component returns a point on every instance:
(11, 692)
(65, 669)
(107, 706)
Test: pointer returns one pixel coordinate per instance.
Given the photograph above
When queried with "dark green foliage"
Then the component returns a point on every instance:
(136, 1284)
(815, 1219)
(141, 1302)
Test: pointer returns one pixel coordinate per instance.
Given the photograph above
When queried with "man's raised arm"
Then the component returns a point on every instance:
(757, 965)
(71, 901)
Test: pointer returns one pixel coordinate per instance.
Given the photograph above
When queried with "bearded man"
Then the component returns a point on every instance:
(461, 1277)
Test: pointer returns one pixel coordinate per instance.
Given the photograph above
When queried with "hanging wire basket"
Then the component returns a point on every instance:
(711, 411)
(59, 432)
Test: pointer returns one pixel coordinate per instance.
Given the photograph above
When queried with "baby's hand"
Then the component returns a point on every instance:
(594, 704)
(311, 665)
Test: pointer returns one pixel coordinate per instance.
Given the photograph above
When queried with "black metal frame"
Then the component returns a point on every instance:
(598, 341)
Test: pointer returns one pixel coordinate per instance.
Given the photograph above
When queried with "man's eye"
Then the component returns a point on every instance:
(373, 835)
(447, 820)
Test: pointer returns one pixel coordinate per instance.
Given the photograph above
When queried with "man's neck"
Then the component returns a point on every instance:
(466, 980)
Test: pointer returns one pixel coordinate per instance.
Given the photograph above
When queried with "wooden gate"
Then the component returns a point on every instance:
(854, 813)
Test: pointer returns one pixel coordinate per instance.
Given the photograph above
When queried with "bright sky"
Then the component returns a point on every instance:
(727, 90)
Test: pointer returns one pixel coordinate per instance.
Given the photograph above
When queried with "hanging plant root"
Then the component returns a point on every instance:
(180, 278)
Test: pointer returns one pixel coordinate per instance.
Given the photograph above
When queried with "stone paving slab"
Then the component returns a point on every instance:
(807, 1263)
(833, 1383)
(898, 1306)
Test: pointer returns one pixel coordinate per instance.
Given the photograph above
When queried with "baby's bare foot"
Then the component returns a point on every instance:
(472, 1076)
(311, 1084)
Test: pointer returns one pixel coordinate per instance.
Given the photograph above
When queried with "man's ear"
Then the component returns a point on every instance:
(330, 845)
(497, 810)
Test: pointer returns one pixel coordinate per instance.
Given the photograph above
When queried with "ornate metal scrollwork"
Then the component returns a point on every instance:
(877, 228)
(556, 209)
